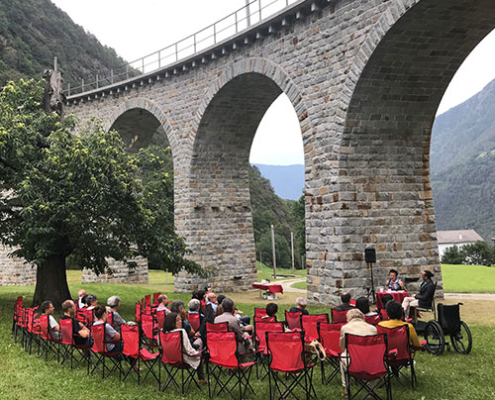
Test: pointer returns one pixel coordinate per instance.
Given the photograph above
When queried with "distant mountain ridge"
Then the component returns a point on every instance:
(462, 162)
(287, 180)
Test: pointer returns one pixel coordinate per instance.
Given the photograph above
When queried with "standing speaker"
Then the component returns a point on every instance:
(370, 255)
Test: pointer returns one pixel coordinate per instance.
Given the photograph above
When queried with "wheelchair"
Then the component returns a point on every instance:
(447, 322)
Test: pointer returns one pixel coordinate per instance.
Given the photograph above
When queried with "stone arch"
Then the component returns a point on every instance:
(390, 99)
(220, 230)
(140, 103)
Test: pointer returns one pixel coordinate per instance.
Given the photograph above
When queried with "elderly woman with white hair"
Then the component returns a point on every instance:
(113, 305)
(356, 325)
(301, 304)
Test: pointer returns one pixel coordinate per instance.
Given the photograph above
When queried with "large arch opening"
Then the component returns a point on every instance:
(387, 132)
(221, 228)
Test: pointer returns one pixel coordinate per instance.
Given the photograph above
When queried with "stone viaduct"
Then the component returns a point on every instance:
(365, 78)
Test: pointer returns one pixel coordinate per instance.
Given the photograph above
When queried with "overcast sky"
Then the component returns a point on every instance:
(135, 29)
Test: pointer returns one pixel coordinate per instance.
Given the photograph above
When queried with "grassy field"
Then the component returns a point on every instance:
(266, 272)
(468, 279)
(300, 285)
(26, 377)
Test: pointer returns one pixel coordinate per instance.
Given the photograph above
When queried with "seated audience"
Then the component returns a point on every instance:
(346, 303)
(363, 305)
(91, 301)
(114, 304)
(355, 326)
(424, 298)
(386, 298)
(202, 298)
(178, 308)
(80, 298)
(47, 308)
(112, 337)
(209, 316)
(194, 306)
(394, 283)
(211, 299)
(394, 312)
(271, 310)
(243, 342)
(80, 333)
(173, 323)
(162, 303)
(221, 298)
(301, 304)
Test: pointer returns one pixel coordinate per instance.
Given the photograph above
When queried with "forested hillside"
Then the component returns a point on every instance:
(33, 32)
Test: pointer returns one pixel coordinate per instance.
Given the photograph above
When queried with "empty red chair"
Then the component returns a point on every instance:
(339, 317)
(293, 320)
(222, 354)
(149, 328)
(89, 317)
(16, 317)
(160, 319)
(33, 330)
(172, 360)
(329, 337)
(220, 327)
(309, 325)
(48, 344)
(260, 334)
(137, 356)
(138, 312)
(288, 370)
(372, 319)
(147, 300)
(400, 353)
(70, 347)
(100, 353)
(366, 361)
(194, 320)
(259, 312)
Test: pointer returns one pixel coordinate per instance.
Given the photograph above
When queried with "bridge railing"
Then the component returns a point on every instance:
(229, 26)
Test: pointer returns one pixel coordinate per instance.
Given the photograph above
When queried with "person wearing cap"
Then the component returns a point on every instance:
(301, 304)
(356, 325)
(425, 296)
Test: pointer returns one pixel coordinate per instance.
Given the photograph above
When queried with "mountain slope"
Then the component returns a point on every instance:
(287, 180)
(33, 32)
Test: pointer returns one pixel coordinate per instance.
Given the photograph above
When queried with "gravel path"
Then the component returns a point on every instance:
(469, 296)
(287, 285)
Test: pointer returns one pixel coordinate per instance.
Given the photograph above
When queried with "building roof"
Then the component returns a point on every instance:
(467, 236)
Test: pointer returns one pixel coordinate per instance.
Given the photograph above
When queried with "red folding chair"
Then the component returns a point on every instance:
(100, 352)
(383, 314)
(80, 314)
(137, 356)
(155, 298)
(138, 312)
(293, 320)
(149, 328)
(259, 312)
(194, 321)
(160, 319)
(223, 354)
(147, 301)
(288, 369)
(329, 337)
(33, 330)
(15, 317)
(89, 317)
(339, 317)
(70, 347)
(265, 319)
(309, 325)
(260, 337)
(172, 361)
(366, 361)
(110, 319)
(372, 319)
(400, 353)
(220, 327)
(48, 344)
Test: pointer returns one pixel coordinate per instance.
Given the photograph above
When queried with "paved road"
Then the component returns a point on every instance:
(287, 285)
(469, 296)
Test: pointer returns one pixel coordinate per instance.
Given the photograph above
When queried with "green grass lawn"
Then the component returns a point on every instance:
(266, 272)
(300, 285)
(468, 279)
(27, 377)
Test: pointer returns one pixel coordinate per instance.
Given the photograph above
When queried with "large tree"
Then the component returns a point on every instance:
(80, 195)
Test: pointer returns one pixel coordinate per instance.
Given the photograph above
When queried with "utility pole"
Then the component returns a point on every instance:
(55, 64)
(261, 259)
(274, 254)
(292, 248)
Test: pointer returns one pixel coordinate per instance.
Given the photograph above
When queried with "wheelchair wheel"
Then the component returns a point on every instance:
(435, 339)
(462, 340)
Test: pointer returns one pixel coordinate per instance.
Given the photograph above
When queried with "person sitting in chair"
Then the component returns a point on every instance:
(80, 333)
(394, 283)
(271, 311)
(113, 303)
(47, 308)
(346, 303)
(424, 298)
(394, 312)
(363, 305)
(301, 304)
(162, 303)
(112, 337)
(80, 298)
(243, 342)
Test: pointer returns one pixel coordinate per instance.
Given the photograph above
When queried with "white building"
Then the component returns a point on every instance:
(448, 239)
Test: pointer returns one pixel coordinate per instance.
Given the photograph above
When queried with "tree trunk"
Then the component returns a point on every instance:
(51, 282)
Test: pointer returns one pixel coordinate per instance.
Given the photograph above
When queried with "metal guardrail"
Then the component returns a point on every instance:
(241, 20)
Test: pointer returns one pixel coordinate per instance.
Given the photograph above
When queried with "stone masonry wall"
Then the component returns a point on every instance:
(120, 273)
(15, 271)
(365, 79)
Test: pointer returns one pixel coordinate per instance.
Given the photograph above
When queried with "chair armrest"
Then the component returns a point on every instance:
(393, 353)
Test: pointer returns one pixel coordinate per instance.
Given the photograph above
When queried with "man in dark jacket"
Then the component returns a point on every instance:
(425, 296)
(346, 303)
